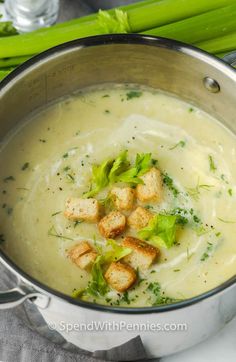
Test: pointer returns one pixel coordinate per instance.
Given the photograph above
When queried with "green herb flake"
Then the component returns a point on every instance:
(230, 192)
(191, 109)
(52, 232)
(207, 253)
(212, 165)
(133, 94)
(77, 293)
(125, 297)
(77, 222)
(70, 177)
(107, 111)
(9, 178)
(66, 155)
(42, 140)
(179, 144)
(168, 181)
(25, 166)
(56, 213)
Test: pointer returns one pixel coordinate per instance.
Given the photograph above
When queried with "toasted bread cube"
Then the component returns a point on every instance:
(123, 197)
(143, 254)
(120, 276)
(82, 209)
(112, 224)
(139, 218)
(152, 187)
(82, 254)
(79, 249)
(86, 260)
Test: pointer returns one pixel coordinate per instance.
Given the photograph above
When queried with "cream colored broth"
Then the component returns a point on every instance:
(90, 127)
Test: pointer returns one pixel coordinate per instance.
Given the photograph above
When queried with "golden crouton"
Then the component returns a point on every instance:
(86, 260)
(82, 209)
(143, 254)
(123, 197)
(82, 254)
(139, 218)
(152, 187)
(120, 276)
(112, 224)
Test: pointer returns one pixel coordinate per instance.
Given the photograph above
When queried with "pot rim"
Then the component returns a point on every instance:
(111, 40)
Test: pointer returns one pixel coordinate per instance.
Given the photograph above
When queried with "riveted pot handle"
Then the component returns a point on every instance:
(14, 297)
(230, 59)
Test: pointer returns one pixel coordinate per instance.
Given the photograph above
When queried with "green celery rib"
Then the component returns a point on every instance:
(140, 19)
(9, 62)
(169, 11)
(4, 73)
(223, 44)
(32, 43)
(199, 28)
(93, 17)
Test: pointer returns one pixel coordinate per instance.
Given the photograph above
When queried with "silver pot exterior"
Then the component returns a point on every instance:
(162, 64)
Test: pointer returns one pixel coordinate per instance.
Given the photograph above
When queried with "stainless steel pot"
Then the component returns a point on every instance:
(192, 75)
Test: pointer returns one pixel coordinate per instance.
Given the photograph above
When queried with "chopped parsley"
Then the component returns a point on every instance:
(133, 94)
(9, 178)
(160, 298)
(56, 213)
(25, 166)
(168, 181)
(230, 192)
(179, 144)
(208, 251)
(213, 167)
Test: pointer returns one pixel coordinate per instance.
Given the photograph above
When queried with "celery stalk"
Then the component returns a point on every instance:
(169, 11)
(140, 19)
(199, 28)
(223, 44)
(4, 73)
(9, 62)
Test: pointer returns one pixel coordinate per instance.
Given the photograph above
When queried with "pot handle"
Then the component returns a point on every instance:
(16, 296)
(230, 59)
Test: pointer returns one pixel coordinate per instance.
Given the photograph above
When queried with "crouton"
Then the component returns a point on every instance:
(123, 197)
(143, 254)
(139, 218)
(112, 224)
(82, 209)
(86, 260)
(120, 276)
(82, 254)
(152, 187)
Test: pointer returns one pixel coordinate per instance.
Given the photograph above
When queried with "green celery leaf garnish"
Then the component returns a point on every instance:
(116, 252)
(161, 230)
(100, 178)
(142, 165)
(117, 170)
(98, 285)
(119, 166)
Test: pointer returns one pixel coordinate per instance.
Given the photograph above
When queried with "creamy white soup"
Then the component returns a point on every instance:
(54, 200)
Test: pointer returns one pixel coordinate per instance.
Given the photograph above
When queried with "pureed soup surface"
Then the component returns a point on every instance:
(49, 159)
